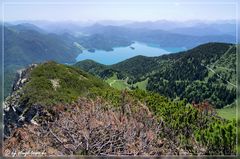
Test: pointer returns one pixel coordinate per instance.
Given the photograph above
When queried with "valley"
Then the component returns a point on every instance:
(108, 90)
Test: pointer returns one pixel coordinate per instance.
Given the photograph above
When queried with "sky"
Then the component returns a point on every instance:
(135, 10)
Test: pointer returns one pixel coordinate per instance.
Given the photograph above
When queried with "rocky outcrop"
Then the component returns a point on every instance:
(16, 113)
(22, 77)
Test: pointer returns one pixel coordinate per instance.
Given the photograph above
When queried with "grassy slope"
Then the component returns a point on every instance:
(227, 112)
(122, 84)
(116, 83)
(142, 85)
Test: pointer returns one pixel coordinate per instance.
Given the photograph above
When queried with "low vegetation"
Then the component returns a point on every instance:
(72, 83)
(190, 126)
(84, 115)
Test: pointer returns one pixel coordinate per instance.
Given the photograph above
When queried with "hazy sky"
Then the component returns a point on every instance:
(137, 10)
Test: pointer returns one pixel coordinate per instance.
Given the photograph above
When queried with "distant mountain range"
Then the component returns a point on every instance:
(31, 44)
(195, 28)
(27, 43)
(210, 27)
(163, 38)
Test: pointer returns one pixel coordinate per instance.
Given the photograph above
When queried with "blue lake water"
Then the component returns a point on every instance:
(122, 53)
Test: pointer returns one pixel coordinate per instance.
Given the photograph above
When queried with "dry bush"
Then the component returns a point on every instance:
(90, 127)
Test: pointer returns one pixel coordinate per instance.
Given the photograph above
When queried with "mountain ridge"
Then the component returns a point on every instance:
(142, 123)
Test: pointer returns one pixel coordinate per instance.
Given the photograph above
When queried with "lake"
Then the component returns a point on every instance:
(122, 53)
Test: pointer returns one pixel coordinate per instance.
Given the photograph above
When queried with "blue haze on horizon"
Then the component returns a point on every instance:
(141, 10)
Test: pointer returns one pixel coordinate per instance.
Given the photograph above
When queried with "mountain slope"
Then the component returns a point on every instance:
(46, 85)
(32, 46)
(180, 75)
(51, 83)
(77, 113)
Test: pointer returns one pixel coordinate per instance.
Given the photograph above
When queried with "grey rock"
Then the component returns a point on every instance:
(16, 112)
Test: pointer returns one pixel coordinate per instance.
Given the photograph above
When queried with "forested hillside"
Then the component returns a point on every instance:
(204, 73)
(26, 46)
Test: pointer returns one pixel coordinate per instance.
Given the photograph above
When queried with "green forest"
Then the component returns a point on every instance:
(204, 73)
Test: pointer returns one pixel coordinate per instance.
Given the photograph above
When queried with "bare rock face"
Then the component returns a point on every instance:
(22, 77)
(16, 113)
